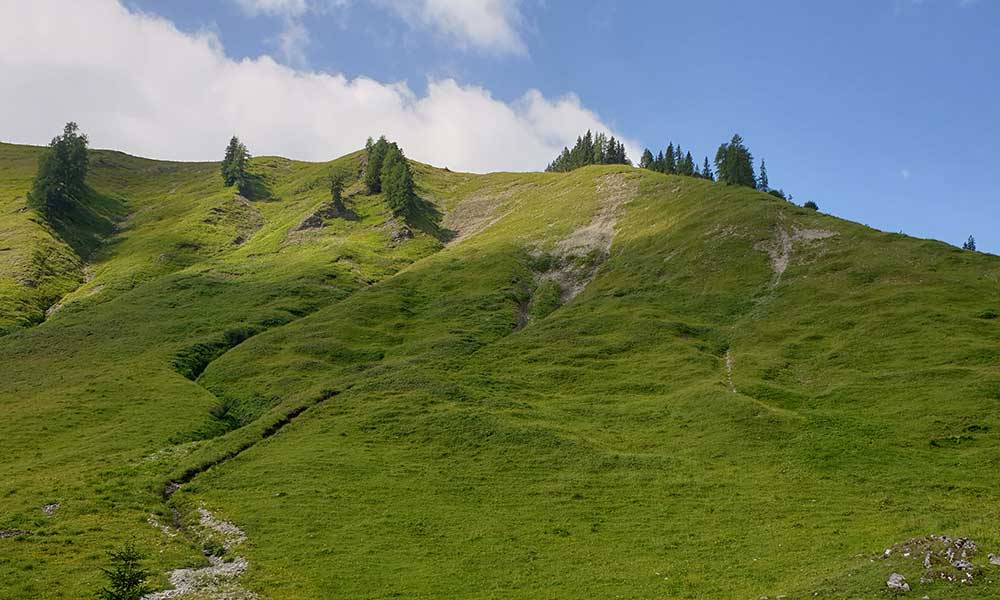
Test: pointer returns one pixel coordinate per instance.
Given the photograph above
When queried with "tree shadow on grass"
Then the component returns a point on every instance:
(426, 217)
(86, 223)
(255, 187)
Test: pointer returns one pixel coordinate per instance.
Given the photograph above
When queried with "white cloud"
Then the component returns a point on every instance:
(484, 24)
(136, 83)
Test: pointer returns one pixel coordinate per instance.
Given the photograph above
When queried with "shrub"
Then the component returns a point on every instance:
(810, 205)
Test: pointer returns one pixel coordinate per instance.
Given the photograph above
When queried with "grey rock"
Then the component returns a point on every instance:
(897, 583)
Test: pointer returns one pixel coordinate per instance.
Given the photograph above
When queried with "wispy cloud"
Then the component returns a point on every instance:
(488, 25)
(491, 26)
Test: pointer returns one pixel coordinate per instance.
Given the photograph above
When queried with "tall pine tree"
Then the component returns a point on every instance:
(397, 180)
(762, 183)
(373, 168)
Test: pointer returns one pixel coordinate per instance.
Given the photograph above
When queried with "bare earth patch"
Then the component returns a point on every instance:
(779, 250)
(477, 212)
(577, 257)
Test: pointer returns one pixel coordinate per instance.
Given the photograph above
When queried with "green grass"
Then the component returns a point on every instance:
(595, 452)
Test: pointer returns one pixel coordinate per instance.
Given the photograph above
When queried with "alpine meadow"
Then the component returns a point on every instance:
(637, 373)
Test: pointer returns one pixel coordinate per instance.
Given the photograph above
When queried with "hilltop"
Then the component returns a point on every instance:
(606, 382)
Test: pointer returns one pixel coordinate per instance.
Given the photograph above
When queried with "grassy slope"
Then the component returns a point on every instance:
(92, 391)
(596, 452)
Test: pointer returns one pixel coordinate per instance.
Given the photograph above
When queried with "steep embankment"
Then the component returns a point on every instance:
(608, 382)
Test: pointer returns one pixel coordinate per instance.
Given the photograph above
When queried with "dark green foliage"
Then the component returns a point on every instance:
(810, 205)
(647, 159)
(234, 165)
(734, 164)
(762, 183)
(706, 171)
(62, 170)
(970, 244)
(686, 166)
(590, 150)
(373, 171)
(674, 161)
(126, 577)
(338, 180)
(397, 180)
(669, 161)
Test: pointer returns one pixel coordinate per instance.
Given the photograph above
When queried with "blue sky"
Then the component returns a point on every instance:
(881, 111)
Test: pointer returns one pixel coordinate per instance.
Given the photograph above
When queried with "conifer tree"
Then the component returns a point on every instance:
(234, 164)
(706, 171)
(687, 167)
(126, 577)
(669, 161)
(397, 180)
(600, 153)
(969, 244)
(734, 164)
(762, 183)
(646, 162)
(373, 170)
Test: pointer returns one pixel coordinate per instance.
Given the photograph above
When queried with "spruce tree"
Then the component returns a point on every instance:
(669, 162)
(688, 165)
(600, 153)
(126, 577)
(373, 169)
(706, 171)
(969, 244)
(762, 183)
(397, 180)
(234, 164)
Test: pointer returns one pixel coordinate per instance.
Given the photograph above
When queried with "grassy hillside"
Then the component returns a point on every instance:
(604, 383)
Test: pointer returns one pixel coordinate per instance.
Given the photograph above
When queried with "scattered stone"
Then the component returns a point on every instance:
(9, 533)
(215, 580)
(962, 565)
(994, 560)
(897, 583)
(152, 520)
(232, 535)
(403, 233)
(50, 509)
